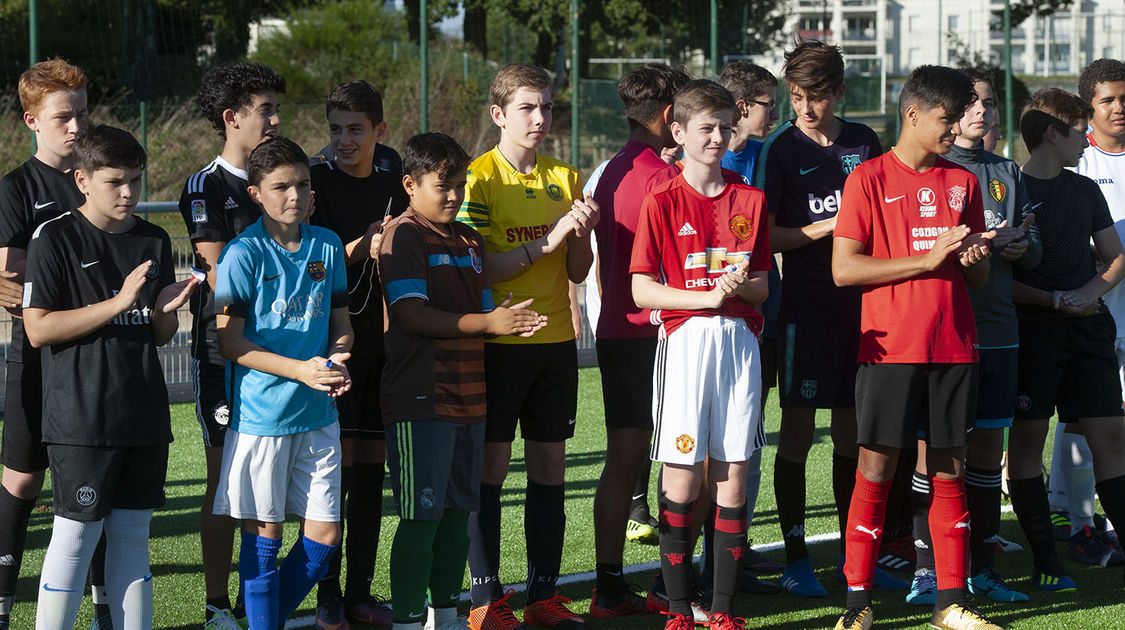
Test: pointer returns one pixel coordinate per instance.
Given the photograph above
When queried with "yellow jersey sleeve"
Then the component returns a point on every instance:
(474, 210)
(510, 209)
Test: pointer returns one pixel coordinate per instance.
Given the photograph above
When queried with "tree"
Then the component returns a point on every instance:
(1023, 9)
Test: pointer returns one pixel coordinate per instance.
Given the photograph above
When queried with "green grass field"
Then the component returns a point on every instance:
(179, 578)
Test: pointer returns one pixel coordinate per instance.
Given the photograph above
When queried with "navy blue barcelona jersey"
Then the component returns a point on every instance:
(804, 182)
(286, 299)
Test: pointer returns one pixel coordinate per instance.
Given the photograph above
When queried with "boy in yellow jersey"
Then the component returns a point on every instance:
(536, 224)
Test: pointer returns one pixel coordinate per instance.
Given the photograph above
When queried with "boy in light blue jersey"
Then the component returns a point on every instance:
(284, 327)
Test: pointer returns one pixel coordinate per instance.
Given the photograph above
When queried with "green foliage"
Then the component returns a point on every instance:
(1023, 9)
(333, 42)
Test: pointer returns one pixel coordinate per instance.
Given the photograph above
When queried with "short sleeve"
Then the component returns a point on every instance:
(15, 220)
(646, 246)
(45, 279)
(1101, 217)
(771, 180)
(340, 296)
(202, 210)
(474, 210)
(854, 218)
(234, 294)
(402, 263)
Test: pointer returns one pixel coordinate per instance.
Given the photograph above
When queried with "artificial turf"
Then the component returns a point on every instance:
(1099, 603)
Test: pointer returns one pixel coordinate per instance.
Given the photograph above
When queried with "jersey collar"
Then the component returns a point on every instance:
(230, 168)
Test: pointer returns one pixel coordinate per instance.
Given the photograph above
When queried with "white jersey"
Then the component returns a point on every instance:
(1108, 170)
(593, 298)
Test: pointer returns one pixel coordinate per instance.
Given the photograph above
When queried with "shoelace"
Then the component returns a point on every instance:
(851, 615)
(972, 612)
(556, 608)
(738, 623)
(682, 622)
(504, 609)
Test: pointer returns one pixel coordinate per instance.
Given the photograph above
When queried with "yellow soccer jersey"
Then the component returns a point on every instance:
(509, 209)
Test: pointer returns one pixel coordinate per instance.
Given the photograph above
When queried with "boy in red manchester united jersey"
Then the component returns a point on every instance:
(909, 232)
(699, 262)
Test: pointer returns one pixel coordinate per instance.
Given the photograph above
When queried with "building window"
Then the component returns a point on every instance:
(953, 23)
(915, 23)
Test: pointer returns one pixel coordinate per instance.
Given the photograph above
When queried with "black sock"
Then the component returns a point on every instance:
(729, 549)
(1111, 493)
(1029, 501)
(675, 553)
(708, 548)
(328, 588)
(859, 598)
(982, 490)
(610, 580)
(484, 547)
(14, 514)
(789, 489)
(920, 498)
(97, 565)
(221, 603)
(638, 509)
(843, 483)
(365, 518)
(946, 597)
(544, 526)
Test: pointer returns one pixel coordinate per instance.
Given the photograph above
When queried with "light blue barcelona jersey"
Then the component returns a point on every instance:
(286, 299)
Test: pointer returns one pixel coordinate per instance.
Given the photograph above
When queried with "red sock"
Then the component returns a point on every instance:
(949, 530)
(865, 528)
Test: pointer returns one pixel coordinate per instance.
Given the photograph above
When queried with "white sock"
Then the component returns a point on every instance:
(62, 581)
(138, 604)
(1056, 488)
(437, 616)
(126, 563)
(1078, 475)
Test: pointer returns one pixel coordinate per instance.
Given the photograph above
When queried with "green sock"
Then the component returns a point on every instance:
(413, 549)
(451, 550)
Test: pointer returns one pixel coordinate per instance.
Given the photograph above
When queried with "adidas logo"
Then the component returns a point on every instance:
(7, 561)
(687, 230)
(230, 204)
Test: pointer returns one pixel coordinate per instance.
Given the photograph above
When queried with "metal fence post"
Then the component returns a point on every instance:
(33, 46)
(424, 54)
(574, 82)
(144, 144)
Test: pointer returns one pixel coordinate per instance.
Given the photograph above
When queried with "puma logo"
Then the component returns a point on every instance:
(874, 532)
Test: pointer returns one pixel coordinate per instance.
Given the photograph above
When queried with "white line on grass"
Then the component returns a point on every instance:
(309, 620)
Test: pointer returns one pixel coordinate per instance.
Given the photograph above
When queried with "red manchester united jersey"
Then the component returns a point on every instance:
(895, 212)
(689, 240)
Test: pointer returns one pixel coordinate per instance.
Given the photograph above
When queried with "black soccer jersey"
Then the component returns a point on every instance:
(30, 195)
(803, 182)
(348, 205)
(107, 388)
(1069, 209)
(215, 206)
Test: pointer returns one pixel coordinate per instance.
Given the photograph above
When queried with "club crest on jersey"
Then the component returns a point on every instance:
(554, 192)
(685, 444)
(808, 388)
(998, 190)
(198, 211)
(849, 162)
(927, 206)
(478, 264)
(956, 196)
(1023, 402)
(317, 271)
(741, 228)
(153, 270)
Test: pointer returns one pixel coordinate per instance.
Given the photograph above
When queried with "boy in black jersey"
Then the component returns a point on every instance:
(53, 96)
(802, 167)
(101, 295)
(1066, 354)
(240, 101)
(353, 198)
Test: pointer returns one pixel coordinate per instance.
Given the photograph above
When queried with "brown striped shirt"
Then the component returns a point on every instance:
(429, 378)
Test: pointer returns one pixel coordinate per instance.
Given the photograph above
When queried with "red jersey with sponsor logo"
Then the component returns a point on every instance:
(622, 188)
(895, 212)
(689, 240)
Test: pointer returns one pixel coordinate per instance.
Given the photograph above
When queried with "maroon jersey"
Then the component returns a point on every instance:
(689, 240)
(803, 182)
